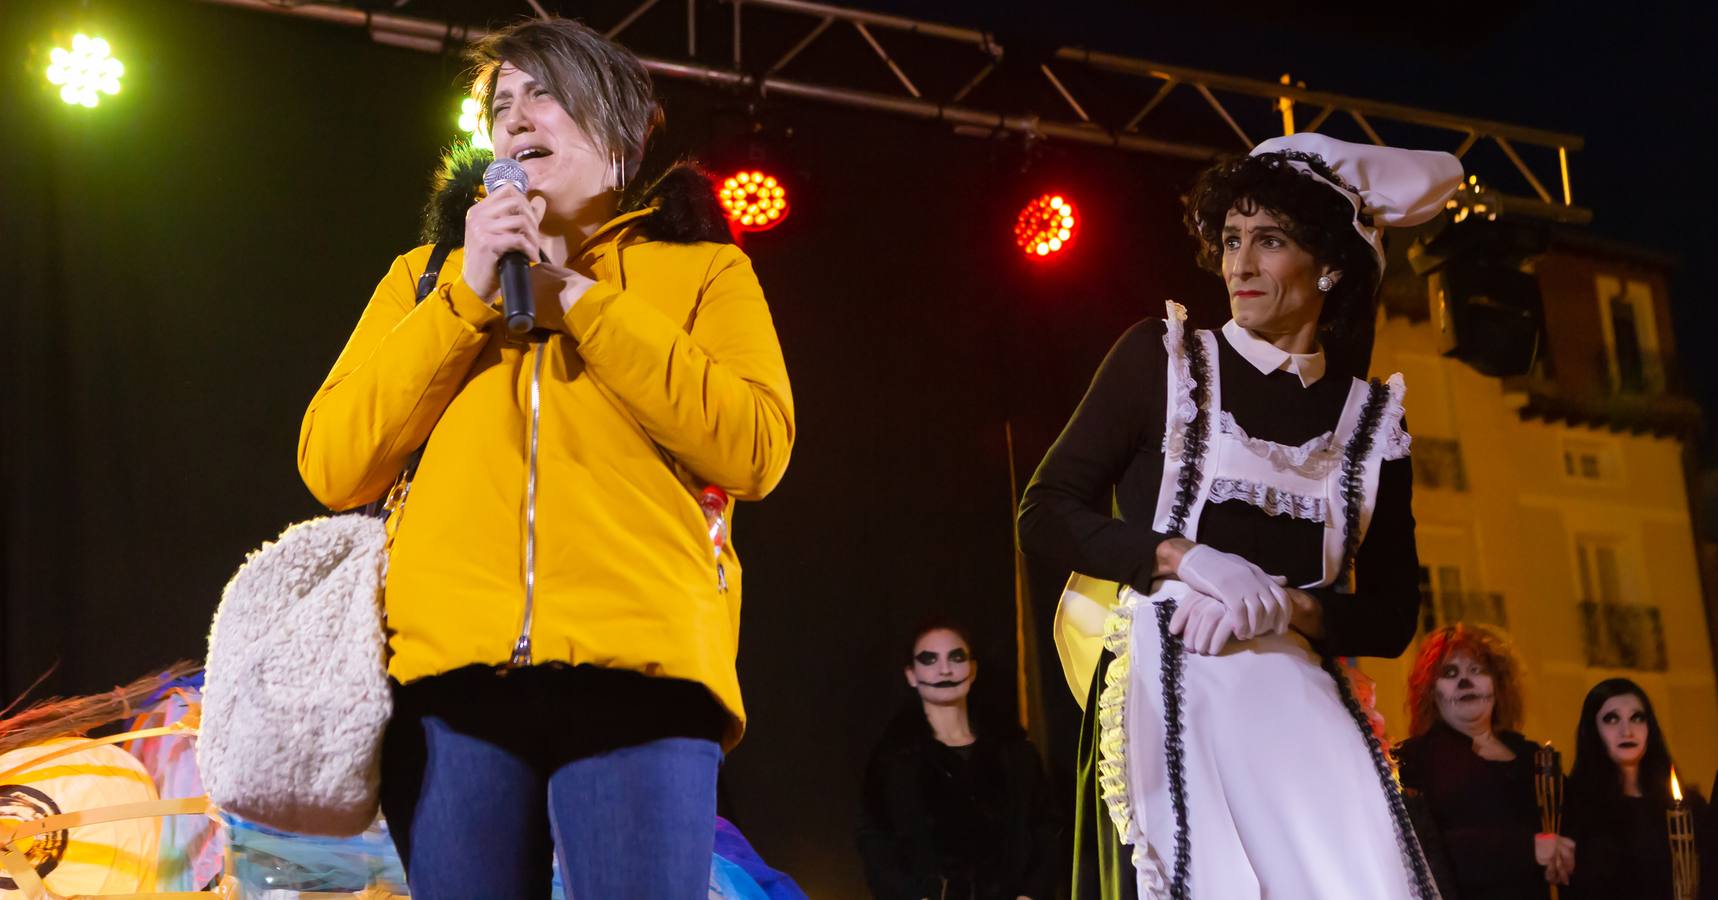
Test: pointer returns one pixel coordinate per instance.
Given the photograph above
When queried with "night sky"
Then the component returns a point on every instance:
(1628, 78)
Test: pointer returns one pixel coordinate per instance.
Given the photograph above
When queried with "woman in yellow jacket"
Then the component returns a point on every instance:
(562, 629)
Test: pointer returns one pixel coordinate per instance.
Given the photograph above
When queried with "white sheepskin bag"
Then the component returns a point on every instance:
(295, 694)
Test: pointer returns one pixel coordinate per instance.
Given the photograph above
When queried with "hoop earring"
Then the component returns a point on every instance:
(1325, 283)
(617, 172)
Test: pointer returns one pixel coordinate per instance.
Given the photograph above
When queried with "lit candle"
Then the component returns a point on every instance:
(1684, 857)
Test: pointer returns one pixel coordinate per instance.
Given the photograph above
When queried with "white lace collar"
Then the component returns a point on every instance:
(1268, 358)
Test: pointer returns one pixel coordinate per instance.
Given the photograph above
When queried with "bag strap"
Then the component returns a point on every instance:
(381, 507)
(432, 270)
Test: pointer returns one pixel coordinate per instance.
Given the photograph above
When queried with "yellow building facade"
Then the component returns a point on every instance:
(1556, 505)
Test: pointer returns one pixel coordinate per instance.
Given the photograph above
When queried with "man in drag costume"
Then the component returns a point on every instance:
(1261, 528)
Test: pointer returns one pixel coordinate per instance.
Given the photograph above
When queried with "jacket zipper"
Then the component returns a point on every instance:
(522, 646)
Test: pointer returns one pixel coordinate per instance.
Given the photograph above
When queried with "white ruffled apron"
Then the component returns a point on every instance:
(1276, 781)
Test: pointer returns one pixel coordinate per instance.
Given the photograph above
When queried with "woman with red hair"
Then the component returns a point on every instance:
(1474, 771)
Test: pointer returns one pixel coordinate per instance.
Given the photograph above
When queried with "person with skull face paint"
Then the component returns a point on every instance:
(1617, 795)
(956, 806)
(1474, 772)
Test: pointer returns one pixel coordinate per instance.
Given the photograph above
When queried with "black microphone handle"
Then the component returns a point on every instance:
(517, 304)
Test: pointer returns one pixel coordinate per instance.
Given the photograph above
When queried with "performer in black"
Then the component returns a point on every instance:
(1617, 796)
(956, 804)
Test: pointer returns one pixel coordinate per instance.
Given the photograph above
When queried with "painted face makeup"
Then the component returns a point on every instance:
(943, 667)
(1465, 692)
(930, 658)
(1623, 726)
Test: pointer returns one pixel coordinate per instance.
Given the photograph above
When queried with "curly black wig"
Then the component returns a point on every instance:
(1315, 217)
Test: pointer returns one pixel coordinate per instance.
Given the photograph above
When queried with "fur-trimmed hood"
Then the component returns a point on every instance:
(684, 198)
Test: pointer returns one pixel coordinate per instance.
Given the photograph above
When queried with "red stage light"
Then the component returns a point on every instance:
(754, 201)
(1046, 226)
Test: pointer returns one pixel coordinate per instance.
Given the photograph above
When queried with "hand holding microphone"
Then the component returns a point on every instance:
(501, 238)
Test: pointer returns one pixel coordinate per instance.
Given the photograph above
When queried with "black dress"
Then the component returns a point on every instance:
(961, 823)
(1622, 847)
(1090, 509)
(1486, 812)
(1112, 449)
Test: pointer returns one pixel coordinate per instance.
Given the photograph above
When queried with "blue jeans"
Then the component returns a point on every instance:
(485, 775)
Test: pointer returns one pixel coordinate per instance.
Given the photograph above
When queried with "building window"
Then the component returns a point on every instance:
(1598, 570)
(1592, 460)
(1616, 634)
(1631, 335)
(1445, 600)
(1623, 636)
(1437, 464)
(1428, 602)
(1625, 337)
(1580, 464)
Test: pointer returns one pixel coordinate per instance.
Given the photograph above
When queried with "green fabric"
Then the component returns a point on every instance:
(1103, 867)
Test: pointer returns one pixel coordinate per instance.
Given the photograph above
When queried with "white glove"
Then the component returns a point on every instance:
(1204, 623)
(1258, 599)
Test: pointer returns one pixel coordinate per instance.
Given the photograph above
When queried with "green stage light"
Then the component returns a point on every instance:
(86, 71)
(469, 124)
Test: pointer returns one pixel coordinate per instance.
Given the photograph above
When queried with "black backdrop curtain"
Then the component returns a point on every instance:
(181, 265)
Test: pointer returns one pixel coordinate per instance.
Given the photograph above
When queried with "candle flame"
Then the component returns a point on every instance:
(1675, 787)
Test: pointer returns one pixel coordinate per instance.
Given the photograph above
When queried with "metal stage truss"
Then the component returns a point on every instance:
(1068, 94)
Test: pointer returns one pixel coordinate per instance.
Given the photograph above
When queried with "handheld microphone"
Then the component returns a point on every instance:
(517, 304)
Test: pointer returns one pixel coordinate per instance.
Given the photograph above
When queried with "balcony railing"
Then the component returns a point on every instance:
(1438, 464)
(1623, 636)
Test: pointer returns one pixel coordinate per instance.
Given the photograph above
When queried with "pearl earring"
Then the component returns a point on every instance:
(1325, 283)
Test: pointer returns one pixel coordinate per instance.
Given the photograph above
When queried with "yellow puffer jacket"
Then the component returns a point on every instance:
(664, 378)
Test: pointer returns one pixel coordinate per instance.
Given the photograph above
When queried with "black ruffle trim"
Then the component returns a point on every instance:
(1198, 432)
(1353, 482)
(1421, 886)
(1174, 753)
